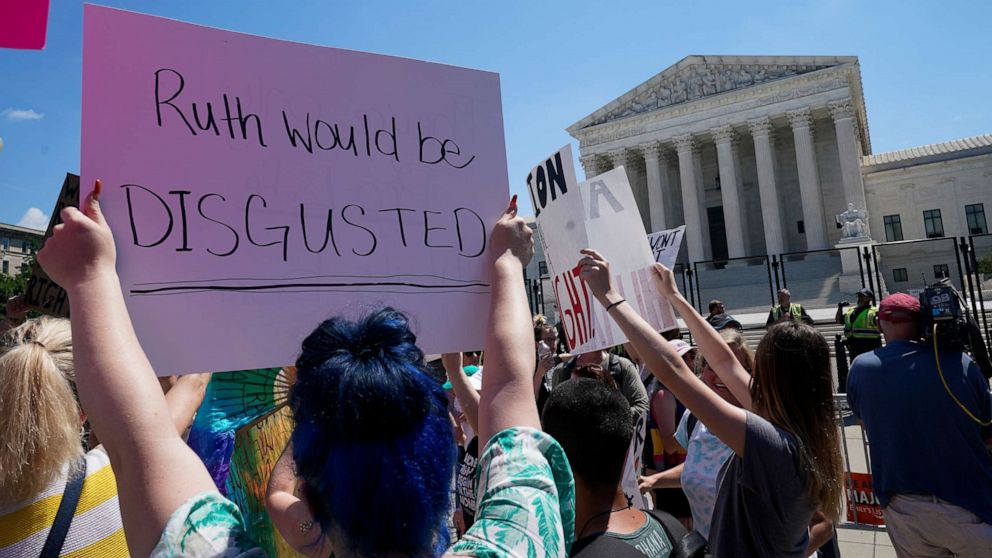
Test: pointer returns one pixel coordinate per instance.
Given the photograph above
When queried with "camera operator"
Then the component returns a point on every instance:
(927, 413)
(861, 333)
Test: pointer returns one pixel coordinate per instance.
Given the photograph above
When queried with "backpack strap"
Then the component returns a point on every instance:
(67, 508)
(690, 426)
(685, 543)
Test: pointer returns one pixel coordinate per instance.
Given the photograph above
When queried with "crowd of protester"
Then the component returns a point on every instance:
(659, 448)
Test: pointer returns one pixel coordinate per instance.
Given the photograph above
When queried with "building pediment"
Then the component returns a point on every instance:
(697, 77)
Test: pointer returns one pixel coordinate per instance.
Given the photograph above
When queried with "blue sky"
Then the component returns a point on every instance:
(925, 65)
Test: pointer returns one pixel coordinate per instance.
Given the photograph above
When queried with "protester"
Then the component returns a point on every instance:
(591, 422)
(169, 504)
(705, 453)
(786, 310)
(43, 465)
(720, 319)
(466, 389)
(927, 413)
(624, 374)
(786, 462)
(860, 323)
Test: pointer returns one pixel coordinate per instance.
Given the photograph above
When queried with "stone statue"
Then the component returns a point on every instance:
(760, 76)
(664, 96)
(709, 83)
(854, 223)
(743, 78)
(679, 93)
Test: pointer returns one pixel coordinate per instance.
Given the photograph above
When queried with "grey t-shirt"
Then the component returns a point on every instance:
(650, 539)
(762, 508)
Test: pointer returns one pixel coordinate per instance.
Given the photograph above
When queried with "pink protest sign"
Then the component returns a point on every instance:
(23, 23)
(256, 187)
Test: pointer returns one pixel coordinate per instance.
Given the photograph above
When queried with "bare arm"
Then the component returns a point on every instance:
(184, 399)
(726, 421)
(719, 356)
(508, 391)
(156, 471)
(821, 530)
(290, 513)
(669, 478)
(468, 398)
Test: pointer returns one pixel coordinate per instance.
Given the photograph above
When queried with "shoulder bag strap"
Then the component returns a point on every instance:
(67, 508)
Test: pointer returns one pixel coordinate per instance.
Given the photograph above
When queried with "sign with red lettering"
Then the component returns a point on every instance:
(257, 187)
(862, 505)
(599, 213)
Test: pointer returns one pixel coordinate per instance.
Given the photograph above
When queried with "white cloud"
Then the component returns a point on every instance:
(21, 115)
(34, 218)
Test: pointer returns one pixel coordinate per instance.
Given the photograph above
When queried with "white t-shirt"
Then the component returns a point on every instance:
(705, 456)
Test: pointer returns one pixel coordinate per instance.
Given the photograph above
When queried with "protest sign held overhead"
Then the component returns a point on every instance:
(665, 245)
(42, 293)
(261, 186)
(599, 213)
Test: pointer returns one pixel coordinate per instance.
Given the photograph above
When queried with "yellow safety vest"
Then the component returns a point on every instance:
(796, 310)
(865, 326)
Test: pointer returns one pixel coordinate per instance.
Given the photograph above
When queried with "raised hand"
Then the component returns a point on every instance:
(595, 271)
(81, 248)
(664, 280)
(511, 237)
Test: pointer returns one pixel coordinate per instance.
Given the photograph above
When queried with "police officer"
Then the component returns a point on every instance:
(787, 310)
(860, 323)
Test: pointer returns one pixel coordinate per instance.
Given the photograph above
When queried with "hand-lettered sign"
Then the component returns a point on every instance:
(23, 24)
(42, 293)
(599, 213)
(256, 187)
(665, 245)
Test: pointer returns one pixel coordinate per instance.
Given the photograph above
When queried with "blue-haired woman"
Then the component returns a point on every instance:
(372, 446)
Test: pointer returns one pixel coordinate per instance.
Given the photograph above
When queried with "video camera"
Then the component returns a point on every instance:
(941, 306)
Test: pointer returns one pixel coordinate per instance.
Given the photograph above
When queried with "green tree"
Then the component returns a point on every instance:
(13, 285)
(985, 265)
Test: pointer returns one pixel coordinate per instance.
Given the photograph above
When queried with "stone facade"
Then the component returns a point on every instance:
(17, 244)
(779, 139)
(757, 155)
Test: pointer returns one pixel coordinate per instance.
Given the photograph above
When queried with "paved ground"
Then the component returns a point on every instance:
(864, 542)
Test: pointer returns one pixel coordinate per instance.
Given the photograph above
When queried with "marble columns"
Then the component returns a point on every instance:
(809, 179)
(691, 203)
(771, 213)
(732, 207)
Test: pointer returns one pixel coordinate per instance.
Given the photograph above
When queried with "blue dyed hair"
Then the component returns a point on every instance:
(373, 443)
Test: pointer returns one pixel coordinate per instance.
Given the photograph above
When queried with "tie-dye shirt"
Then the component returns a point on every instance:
(526, 508)
(705, 456)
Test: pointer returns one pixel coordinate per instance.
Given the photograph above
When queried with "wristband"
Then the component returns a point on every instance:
(615, 304)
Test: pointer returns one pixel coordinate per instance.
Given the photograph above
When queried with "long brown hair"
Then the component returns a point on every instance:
(39, 416)
(793, 389)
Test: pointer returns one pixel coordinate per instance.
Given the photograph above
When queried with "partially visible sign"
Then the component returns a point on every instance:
(601, 214)
(23, 24)
(665, 245)
(42, 293)
(862, 505)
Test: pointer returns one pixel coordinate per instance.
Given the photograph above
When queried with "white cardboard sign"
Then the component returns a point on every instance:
(599, 213)
(665, 245)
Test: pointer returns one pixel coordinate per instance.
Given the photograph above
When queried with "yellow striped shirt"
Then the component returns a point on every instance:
(96, 528)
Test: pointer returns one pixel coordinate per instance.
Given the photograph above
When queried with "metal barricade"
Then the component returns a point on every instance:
(857, 464)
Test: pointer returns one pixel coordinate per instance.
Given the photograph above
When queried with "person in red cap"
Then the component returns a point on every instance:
(936, 502)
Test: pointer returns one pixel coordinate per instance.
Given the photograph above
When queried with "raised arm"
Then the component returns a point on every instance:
(508, 391)
(156, 471)
(726, 421)
(467, 397)
(719, 356)
(184, 399)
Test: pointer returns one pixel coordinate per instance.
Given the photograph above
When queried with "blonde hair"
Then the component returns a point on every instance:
(39, 414)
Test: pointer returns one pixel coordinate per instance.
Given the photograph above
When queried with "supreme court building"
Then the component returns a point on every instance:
(759, 155)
